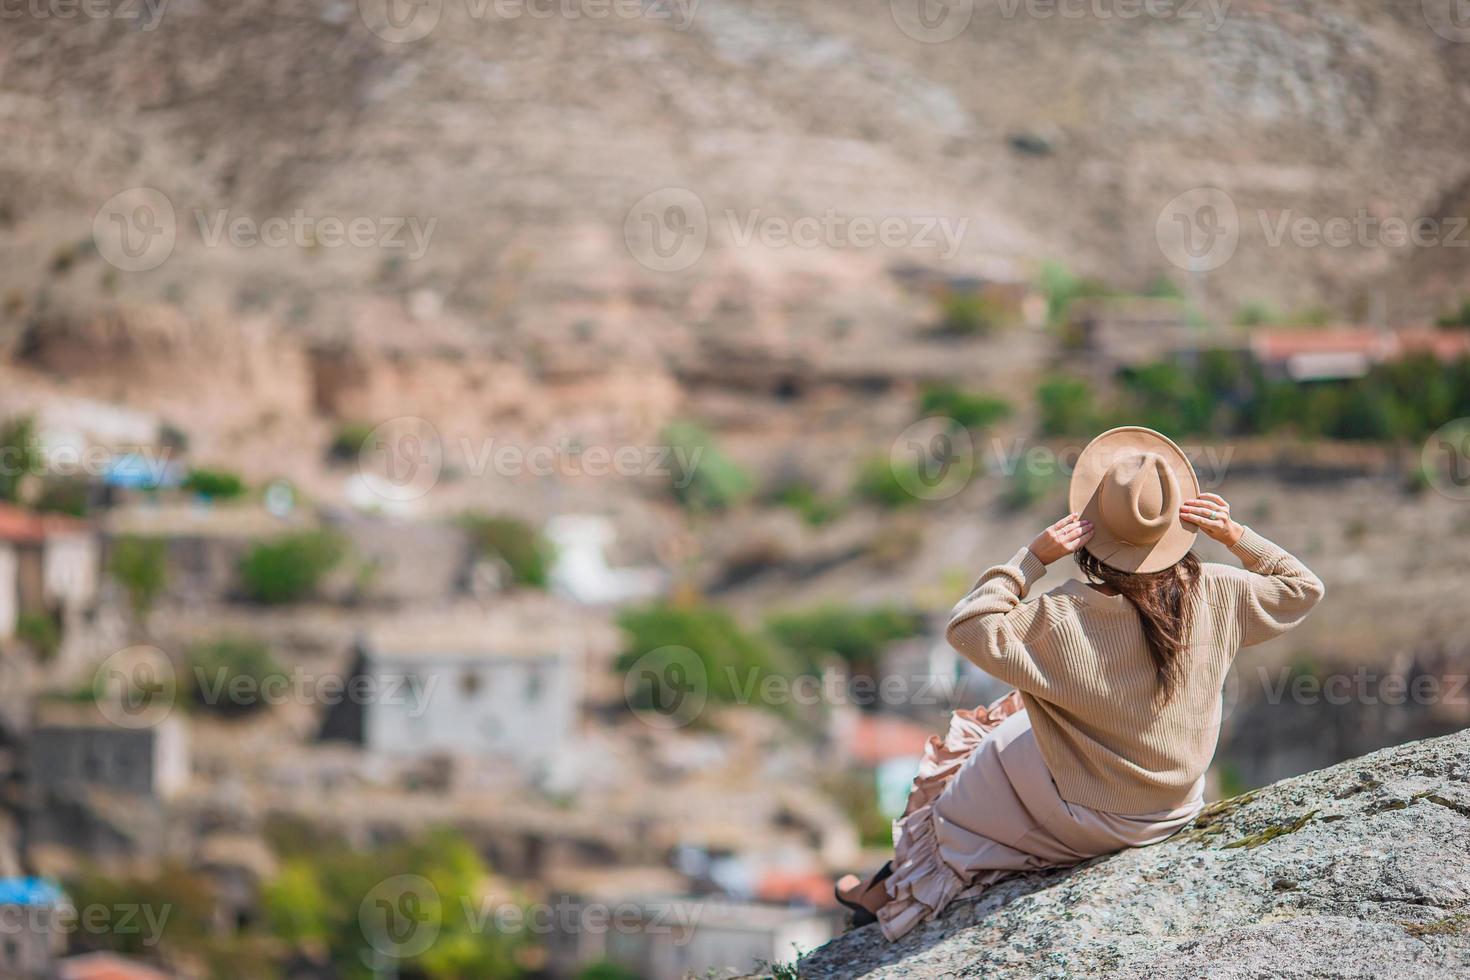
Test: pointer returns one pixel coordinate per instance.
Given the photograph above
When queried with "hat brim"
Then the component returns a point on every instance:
(1087, 476)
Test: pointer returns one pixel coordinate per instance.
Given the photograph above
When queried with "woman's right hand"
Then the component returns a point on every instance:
(1211, 514)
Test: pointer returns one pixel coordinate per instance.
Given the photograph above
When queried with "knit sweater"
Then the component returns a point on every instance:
(1081, 663)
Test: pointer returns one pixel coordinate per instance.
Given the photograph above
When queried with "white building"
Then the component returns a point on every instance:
(75, 746)
(505, 684)
(581, 570)
(48, 563)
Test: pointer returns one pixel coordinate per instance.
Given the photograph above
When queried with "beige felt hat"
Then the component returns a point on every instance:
(1129, 482)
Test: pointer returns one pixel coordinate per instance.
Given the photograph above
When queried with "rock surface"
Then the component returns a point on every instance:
(1360, 870)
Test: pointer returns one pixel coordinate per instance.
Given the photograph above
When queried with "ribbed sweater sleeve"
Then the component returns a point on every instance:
(999, 632)
(1277, 590)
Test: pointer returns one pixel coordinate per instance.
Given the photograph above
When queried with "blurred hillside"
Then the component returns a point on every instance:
(529, 139)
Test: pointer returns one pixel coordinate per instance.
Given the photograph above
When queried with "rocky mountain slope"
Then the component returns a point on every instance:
(527, 135)
(1359, 870)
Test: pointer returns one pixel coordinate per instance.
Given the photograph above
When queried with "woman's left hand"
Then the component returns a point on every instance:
(1063, 538)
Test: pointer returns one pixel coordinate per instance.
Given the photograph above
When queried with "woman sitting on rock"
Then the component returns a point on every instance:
(1105, 741)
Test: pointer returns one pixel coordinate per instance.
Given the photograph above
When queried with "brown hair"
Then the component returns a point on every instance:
(1163, 603)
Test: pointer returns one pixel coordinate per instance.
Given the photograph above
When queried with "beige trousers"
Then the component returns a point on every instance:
(984, 807)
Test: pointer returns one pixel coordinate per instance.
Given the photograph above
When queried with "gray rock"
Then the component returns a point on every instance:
(1360, 870)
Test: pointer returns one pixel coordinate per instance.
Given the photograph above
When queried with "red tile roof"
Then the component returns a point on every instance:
(20, 526)
(1374, 344)
(803, 887)
(105, 966)
(877, 738)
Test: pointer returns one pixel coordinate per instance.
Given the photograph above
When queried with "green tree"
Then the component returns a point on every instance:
(40, 631)
(20, 455)
(289, 568)
(882, 481)
(140, 565)
(348, 440)
(228, 675)
(214, 484)
(734, 661)
(703, 478)
(858, 636)
(608, 970)
(177, 901)
(1067, 407)
(968, 315)
(970, 410)
(321, 897)
(522, 547)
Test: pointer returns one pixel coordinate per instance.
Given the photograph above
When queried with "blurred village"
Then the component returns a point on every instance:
(307, 720)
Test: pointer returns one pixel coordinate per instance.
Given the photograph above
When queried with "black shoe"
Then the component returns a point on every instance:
(860, 914)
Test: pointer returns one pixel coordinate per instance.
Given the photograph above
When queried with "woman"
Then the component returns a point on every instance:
(1105, 741)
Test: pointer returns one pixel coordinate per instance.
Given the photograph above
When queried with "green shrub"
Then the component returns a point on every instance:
(1062, 289)
(878, 481)
(1457, 318)
(140, 565)
(1165, 397)
(1027, 487)
(227, 675)
(1225, 394)
(608, 970)
(733, 660)
(968, 315)
(181, 901)
(289, 568)
(1066, 406)
(64, 495)
(972, 410)
(20, 455)
(1254, 315)
(858, 636)
(814, 508)
(40, 632)
(318, 903)
(523, 548)
(703, 478)
(348, 441)
(1162, 287)
(214, 484)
